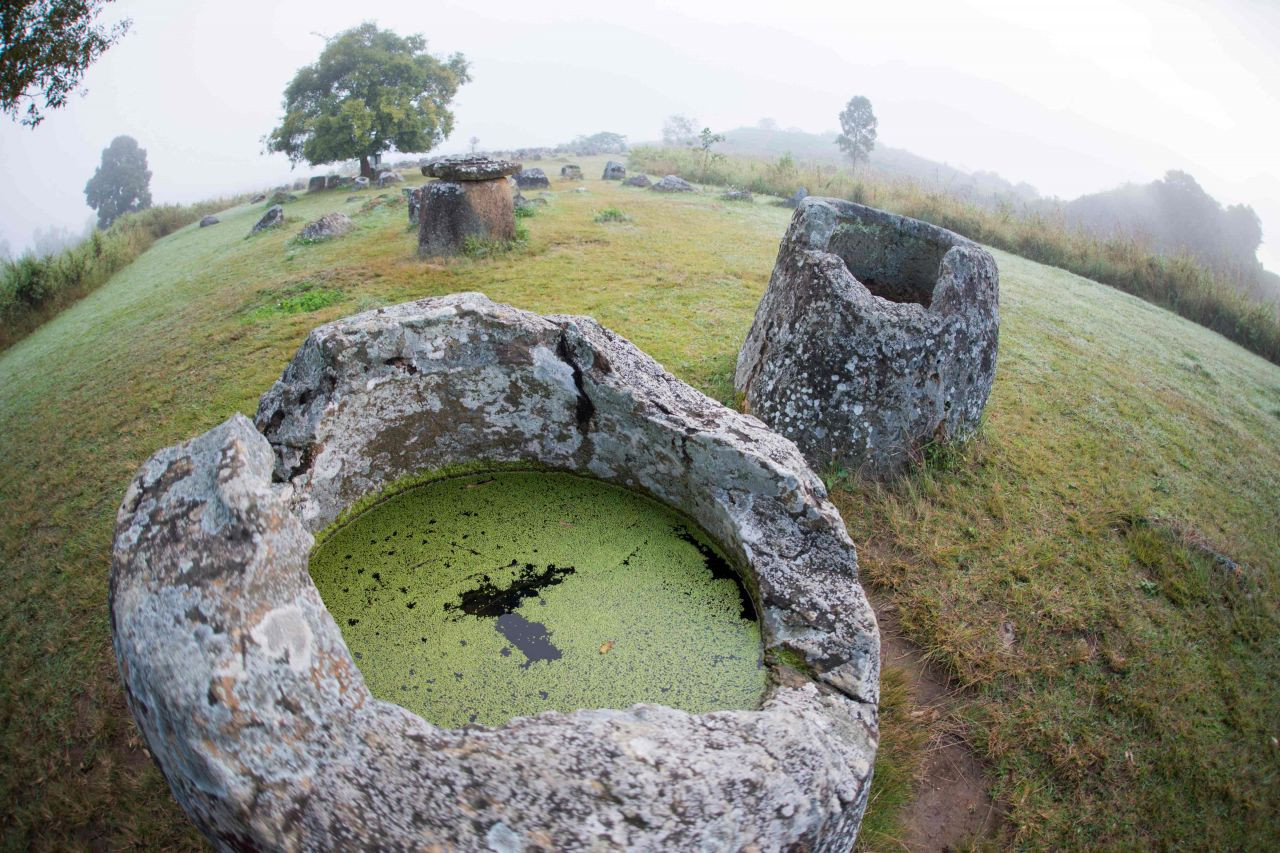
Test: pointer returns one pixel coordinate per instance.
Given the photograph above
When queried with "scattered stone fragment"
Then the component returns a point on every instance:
(672, 184)
(876, 336)
(638, 181)
(614, 171)
(570, 173)
(337, 181)
(390, 178)
(316, 184)
(273, 218)
(795, 199)
(254, 708)
(326, 228)
(282, 197)
(532, 179)
(208, 220)
(413, 199)
(258, 198)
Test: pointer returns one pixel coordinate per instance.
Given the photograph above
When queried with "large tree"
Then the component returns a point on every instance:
(45, 47)
(370, 90)
(858, 129)
(122, 183)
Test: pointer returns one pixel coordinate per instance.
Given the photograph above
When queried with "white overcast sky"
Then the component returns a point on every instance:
(1073, 96)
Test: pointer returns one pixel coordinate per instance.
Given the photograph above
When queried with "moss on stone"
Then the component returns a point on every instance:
(631, 611)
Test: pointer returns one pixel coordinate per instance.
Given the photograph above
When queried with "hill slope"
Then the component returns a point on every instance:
(1119, 682)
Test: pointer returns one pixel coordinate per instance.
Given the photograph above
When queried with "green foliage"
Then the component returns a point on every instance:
(1181, 283)
(526, 211)
(122, 183)
(858, 130)
(604, 142)
(298, 299)
(612, 214)
(46, 47)
(478, 248)
(370, 91)
(680, 130)
(33, 289)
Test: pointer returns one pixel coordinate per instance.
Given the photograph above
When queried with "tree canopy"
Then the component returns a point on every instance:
(45, 47)
(680, 130)
(858, 129)
(122, 183)
(370, 91)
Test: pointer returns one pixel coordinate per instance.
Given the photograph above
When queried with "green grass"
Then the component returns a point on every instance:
(1136, 707)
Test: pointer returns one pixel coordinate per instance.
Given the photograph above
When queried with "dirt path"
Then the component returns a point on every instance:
(951, 808)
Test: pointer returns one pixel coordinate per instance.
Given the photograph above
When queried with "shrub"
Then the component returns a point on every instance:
(612, 214)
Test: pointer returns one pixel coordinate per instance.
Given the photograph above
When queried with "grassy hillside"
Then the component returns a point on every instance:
(1120, 683)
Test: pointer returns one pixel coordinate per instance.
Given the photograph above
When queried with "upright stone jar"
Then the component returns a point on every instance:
(877, 335)
(471, 199)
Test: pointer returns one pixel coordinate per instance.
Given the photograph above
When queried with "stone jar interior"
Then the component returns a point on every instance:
(249, 698)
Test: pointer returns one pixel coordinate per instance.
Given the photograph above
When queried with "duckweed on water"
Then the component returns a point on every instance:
(489, 596)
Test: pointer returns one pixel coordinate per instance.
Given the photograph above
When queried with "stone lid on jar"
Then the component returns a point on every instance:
(471, 168)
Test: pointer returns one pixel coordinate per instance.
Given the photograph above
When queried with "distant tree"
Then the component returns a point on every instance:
(56, 238)
(122, 183)
(858, 130)
(680, 130)
(603, 142)
(767, 124)
(45, 47)
(475, 140)
(370, 90)
(706, 139)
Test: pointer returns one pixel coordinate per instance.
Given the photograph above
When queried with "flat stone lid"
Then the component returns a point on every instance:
(477, 168)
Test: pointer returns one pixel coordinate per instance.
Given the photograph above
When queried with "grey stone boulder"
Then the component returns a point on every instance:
(638, 181)
(877, 335)
(206, 221)
(327, 227)
(736, 195)
(281, 197)
(532, 179)
(258, 198)
(388, 178)
(361, 183)
(252, 705)
(337, 181)
(413, 200)
(450, 212)
(475, 167)
(570, 173)
(796, 197)
(316, 183)
(614, 171)
(672, 184)
(273, 218)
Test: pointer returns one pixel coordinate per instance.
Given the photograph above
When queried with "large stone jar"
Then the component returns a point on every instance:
(251, 702)
(876, 336)
(471, 200)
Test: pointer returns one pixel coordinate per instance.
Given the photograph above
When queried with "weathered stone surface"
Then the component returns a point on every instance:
(473, 168)
(361, 183)
(206, 221)
(452, 211)
(258, 198)
(326, 228)
(387, 178)
(638, 181)
(281, 197)
(876, 335)
(570, 173)
(316, 183)
(796, 197)
(337, 181)
(413, 199)
(614, 171)
(273, 218)
(532, 179)
(250, 701)
(737, 195)
(672, 184)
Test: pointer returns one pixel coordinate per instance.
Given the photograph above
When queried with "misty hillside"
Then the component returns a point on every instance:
(1174, 215)
(982, 187)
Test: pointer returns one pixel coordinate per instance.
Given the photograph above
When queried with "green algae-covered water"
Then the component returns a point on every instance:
(484, 597)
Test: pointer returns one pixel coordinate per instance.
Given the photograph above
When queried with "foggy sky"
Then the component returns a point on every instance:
(1072, 97)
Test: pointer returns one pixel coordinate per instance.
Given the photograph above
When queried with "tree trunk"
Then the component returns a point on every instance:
(366, 170)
